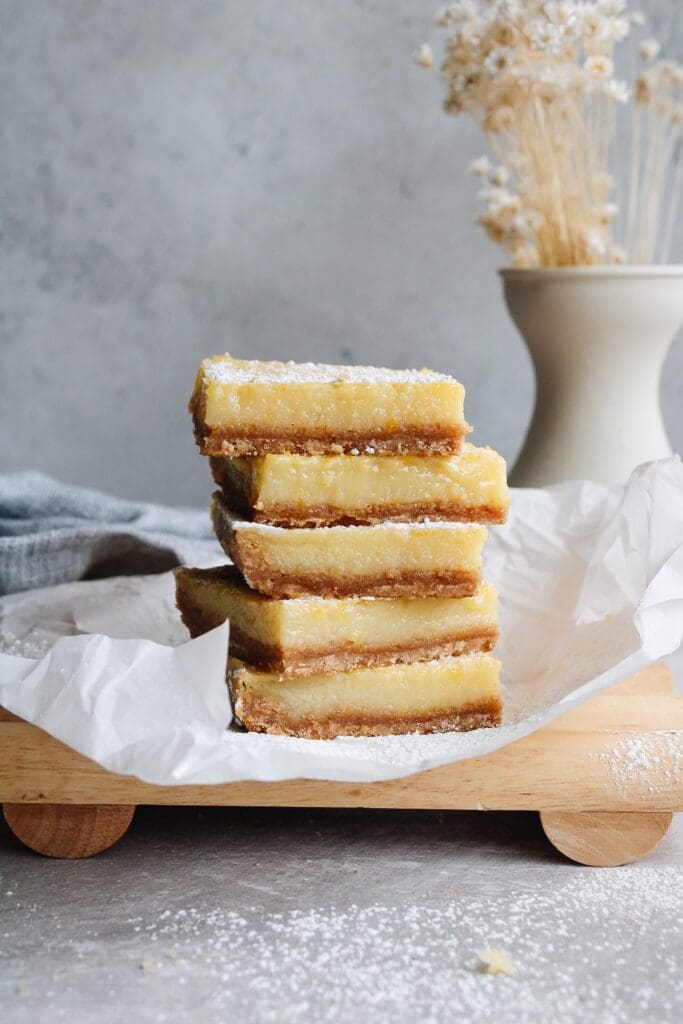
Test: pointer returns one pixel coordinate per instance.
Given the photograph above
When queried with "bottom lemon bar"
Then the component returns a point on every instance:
(388, 560)
(298, 636)
(450, 694)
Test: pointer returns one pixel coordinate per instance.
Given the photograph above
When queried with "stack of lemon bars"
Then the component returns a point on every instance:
(352, 511)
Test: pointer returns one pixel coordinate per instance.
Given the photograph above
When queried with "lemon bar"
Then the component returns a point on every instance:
(299, 636)
(389, 560)
(248, 407)
(322, 490)
(434, 696)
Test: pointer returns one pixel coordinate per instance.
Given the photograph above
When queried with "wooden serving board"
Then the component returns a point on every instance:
(605, 777)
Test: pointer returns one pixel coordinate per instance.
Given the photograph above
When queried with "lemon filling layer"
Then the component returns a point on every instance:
(421, 689)
(314, 624)
(245, 396)
(349, 484)
(359, 551)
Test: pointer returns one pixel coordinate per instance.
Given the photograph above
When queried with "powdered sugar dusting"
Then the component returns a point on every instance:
(655, 759)
(237, 523)
(226, 370)
(413, 961)
(34, 645)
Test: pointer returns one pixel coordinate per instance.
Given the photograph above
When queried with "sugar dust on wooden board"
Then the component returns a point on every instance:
(654, 756)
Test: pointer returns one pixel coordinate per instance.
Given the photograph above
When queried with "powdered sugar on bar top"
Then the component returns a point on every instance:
(226, 370)
(237, 523)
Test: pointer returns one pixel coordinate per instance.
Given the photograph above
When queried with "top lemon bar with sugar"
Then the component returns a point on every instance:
(249, 407)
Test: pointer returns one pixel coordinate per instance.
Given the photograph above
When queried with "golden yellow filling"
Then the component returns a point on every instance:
(327, 624)
(247, 395)
(393, 692)
(349, 483)
(364, 551)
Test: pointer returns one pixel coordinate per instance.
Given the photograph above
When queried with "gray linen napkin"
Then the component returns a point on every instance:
(53, 533)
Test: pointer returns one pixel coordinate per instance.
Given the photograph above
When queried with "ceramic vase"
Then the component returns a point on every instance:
(597, 337)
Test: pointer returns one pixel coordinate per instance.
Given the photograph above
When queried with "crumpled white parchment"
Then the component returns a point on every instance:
(591, 590)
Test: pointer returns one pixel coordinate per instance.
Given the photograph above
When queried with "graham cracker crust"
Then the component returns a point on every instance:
(428, 440)
(258, 715)
(373, 515)
(226, 574)
(233, 485)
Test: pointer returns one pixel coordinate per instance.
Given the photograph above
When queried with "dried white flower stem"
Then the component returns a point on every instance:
(634, 178)
(677, 188)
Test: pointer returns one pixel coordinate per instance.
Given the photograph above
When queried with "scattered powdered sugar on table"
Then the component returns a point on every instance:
(655, 758)
(424, 962)
(225, 370)
(378, 963)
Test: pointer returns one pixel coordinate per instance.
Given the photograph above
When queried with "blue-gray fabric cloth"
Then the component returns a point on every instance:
(54, 533)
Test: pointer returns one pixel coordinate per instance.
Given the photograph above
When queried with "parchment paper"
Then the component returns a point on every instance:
(591, 590)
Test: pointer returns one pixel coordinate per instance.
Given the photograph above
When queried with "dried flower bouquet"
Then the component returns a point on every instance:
(538, 76)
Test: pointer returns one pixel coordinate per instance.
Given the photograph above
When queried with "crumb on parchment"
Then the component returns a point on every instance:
(495, 961)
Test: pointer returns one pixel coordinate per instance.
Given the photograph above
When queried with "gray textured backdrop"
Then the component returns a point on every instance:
(189, 176)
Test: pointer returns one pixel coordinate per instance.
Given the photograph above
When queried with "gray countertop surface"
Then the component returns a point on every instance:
(291, 916)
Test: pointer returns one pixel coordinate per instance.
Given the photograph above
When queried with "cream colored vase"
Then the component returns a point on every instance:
(598, 337)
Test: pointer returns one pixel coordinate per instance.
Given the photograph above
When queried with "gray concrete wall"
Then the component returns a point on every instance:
(182, 177)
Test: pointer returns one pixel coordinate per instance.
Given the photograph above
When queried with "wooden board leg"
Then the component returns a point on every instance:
(605, 839)
(68, 830)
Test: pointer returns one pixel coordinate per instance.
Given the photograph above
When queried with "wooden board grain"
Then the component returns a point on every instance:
(578, 763)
